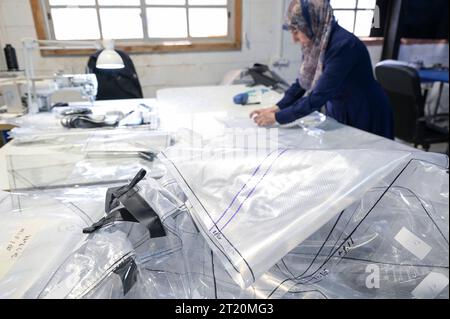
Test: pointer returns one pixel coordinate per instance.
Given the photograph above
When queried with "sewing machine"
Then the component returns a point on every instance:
(43, 88)
(86, 84)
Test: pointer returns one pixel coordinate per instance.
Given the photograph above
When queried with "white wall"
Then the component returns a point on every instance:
(2, 60)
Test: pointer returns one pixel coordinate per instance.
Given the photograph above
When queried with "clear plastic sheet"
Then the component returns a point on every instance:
(92, 141)
(372, 217)
(50, 224)
(315, 131)
(34, 124)
(37, 233)
(358, 254)
(254, 208)
(73, 170)
(341, 260)
(86, 269)
(81, 158)
(179, 265)
(49, 122)
(361, 253)
(391, 244)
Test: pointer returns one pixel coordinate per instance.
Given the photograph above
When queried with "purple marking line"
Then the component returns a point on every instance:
(251, 192)
(242, 188)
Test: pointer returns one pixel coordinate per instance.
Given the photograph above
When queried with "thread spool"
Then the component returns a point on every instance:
(11, 58)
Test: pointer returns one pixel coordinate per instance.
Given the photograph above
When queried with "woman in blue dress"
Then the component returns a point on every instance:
(336, 72)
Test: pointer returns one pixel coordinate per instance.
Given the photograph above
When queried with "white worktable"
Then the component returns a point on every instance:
(207, 111)
(197, 109)
(47, 123)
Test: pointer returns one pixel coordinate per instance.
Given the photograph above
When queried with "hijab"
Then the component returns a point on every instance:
(315, 19)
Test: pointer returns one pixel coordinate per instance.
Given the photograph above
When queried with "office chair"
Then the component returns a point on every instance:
(116, 84)
(402, 85)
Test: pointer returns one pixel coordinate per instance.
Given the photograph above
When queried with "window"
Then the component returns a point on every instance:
(143, 25)
(357, 16)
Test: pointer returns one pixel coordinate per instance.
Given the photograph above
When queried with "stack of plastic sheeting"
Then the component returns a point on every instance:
(81, 158)
(255, 208)
(87, 141)
(50, 122)
(389, 244)
(305, 218)
(73, 170)
(44, 253)
(118, 261)
(37, 233)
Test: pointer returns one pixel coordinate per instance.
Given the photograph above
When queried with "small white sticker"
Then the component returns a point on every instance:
(431, 286)
(413, 244)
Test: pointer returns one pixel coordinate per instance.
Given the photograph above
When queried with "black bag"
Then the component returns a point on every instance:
(116, 84)
(262, 75)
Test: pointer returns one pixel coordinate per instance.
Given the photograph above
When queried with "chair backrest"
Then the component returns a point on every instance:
(116, 84)
(402, 85)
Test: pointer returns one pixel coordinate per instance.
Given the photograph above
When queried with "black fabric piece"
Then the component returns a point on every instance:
(262, 75)
(76, 111)
(128, 274)
(135, 209)
(120, 215)
(113, 194)
(84, 121)
(145, 215)
(116, 84)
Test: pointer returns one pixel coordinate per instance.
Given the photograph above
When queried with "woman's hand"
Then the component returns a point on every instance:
(273, 109)
(265, 117)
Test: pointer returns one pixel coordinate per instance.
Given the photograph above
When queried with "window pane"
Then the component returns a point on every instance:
(208, 22)
(166, 2)
(72, 2)
(363, 23)
(207, 2)
(75, 24)
(131, 18)
(167, 22)
(343, 4)
(367, 4)
(346, 19)
(119, 2)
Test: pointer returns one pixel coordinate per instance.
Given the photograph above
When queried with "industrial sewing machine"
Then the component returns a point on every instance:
(43, 88)
(86, 84)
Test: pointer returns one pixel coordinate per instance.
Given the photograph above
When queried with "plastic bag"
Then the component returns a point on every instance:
(274, 201)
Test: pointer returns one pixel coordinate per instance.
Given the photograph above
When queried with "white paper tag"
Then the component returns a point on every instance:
(431, 286)
(12, 250)
(412, 243)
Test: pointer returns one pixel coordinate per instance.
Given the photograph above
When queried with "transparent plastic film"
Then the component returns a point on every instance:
(32, 125)
(37, 233)
(391, 244)
(388, 244)
(93, 263)
(315, 131)
(94, 141)
(254, 208)
(72, 170)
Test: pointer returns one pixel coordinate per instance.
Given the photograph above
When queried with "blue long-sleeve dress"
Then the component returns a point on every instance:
(347, 87)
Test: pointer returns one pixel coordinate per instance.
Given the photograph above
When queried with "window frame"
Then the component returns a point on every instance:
(355, 10)
(44, 31)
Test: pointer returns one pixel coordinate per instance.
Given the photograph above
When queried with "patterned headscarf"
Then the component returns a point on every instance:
(315, 19)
